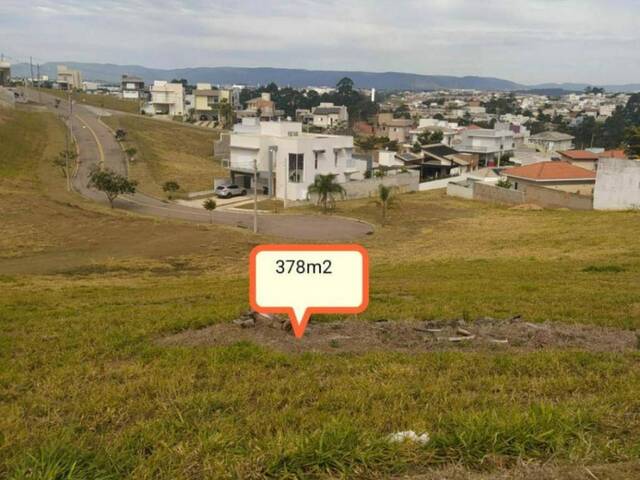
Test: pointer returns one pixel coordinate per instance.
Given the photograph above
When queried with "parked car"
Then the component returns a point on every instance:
(228, 191)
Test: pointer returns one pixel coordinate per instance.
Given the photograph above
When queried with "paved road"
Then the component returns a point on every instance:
(98, 146)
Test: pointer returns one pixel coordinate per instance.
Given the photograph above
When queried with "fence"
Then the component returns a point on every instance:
(542, 196)
(404, 182)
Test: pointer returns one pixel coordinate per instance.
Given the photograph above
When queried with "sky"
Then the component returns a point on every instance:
(527, 41)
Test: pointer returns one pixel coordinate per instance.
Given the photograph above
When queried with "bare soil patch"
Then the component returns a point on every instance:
(353, 336)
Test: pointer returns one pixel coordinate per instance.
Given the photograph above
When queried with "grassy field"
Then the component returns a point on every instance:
(87, 392)
(169, 151)
(103, 101)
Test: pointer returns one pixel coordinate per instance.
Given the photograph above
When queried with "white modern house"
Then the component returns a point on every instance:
(69, 79)
(327, 115)
(287, 160)
(167, 98)
(488, 144)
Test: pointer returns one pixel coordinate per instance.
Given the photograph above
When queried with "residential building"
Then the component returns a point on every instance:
(69, 79)
(550, 142)
(558, 175)
(207, 99)
(5, 73)
(288, 160)
(590, 159)
(327, 115)
(489, 144)
(580, 158)
(132, 87)
(262, 107)
(617, 185)
(396, 129)
(90, 87)
(167, 98)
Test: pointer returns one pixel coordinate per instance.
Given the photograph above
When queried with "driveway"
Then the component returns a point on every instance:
(97, 146)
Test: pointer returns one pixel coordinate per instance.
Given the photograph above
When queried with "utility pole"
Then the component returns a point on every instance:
(255, 195)
(286, 181)
(31, 68)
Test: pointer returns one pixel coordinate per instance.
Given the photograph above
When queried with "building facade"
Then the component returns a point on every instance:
(288, 160)
(132, 87)
(69, 79)
(167, 98)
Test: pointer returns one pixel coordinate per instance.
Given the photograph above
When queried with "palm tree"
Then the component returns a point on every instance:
(385, 200)
(326, 187)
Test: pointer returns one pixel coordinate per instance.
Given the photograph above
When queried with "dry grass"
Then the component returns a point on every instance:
(168, 151)
(98, 100)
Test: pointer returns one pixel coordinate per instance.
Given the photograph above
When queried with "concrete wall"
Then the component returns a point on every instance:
(617, 185)
(552, 198)
(442, 183)
(491, 193)
(460, 189)
(544, 197)
(7, 98)
(404, 182)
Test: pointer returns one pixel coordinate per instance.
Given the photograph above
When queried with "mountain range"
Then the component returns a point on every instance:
(112, 73)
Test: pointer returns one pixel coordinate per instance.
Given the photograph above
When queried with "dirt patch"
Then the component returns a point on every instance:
(514, 334)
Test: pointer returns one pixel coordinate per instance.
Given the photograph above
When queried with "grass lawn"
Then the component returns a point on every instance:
(103, 101)
(168, 151)
(87, 392)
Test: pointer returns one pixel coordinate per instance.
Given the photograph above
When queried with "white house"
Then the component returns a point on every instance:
(167, 98)
(287, 160)
(327, 115)
(69, 79)
(488, 144)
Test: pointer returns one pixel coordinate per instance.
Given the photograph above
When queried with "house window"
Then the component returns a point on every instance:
(315, 154)
(515, 186)
(296, 167)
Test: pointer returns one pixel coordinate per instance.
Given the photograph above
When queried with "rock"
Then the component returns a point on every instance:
(245, 322)
(496, 340)
(515, 318)
(464, 332)
(408, 436)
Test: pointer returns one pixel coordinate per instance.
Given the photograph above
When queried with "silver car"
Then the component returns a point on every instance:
(228, 191)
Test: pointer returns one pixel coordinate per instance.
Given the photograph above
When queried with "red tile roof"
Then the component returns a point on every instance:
(579, 155)
(548, 171)
(613, 154)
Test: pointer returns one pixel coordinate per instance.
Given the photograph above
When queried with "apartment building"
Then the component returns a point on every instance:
(288, 160)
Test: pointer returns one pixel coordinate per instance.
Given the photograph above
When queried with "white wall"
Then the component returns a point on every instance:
(617, 185)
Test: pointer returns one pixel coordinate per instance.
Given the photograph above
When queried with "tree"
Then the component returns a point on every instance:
(326, 187)
(210, 205)
(225, 113)
(345, 86)
(504, 183)
(64, 162)
(429, 138)
(632, 139)
(385, 200)
(170, 188)
(120, 135)
(112, 184)
(416, 148)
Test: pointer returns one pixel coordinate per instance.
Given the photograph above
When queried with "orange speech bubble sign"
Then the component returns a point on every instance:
(301, 280)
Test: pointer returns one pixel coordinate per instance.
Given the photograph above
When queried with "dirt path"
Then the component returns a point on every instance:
(484, 334)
